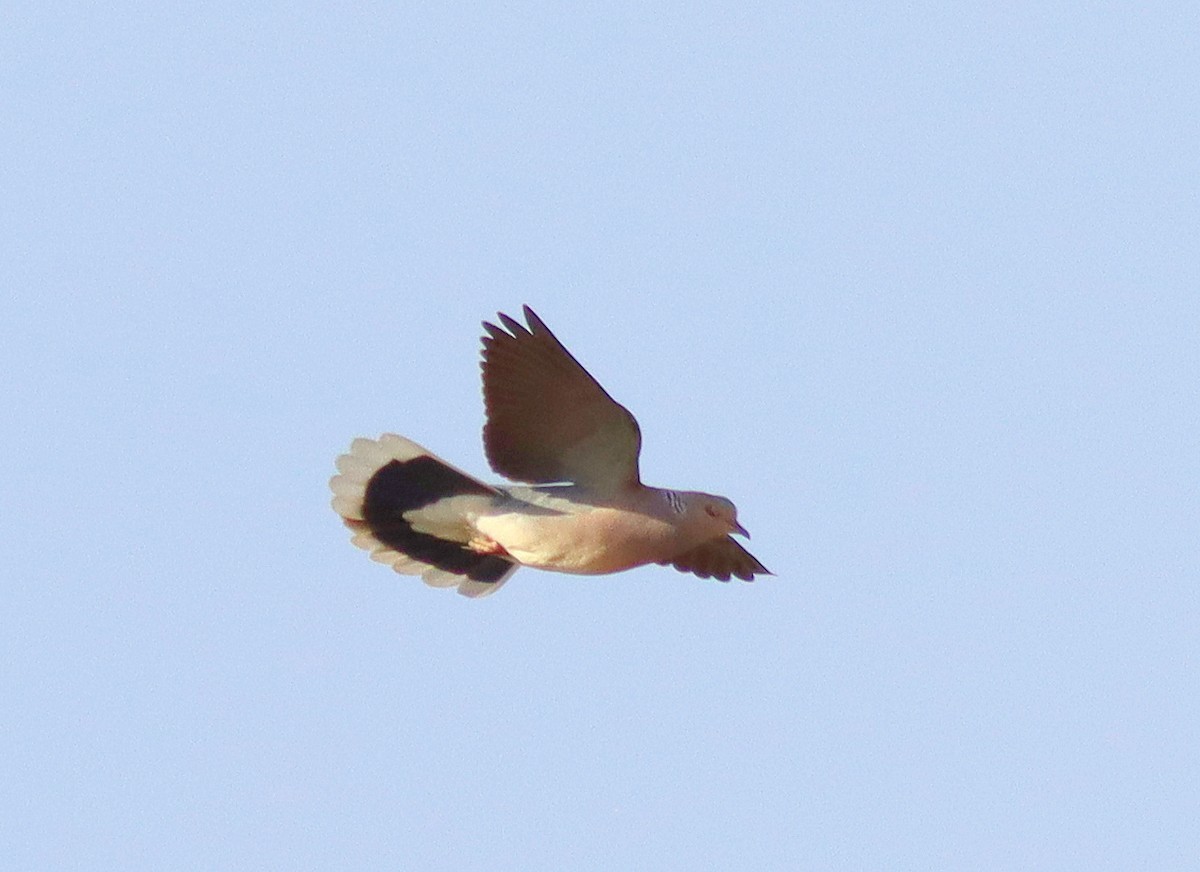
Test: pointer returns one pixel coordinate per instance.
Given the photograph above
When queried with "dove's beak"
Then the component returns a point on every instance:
(738, 528)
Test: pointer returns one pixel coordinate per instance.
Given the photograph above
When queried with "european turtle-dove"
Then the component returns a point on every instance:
(550, 424)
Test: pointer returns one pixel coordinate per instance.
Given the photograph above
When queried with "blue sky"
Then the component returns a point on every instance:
(916, 285)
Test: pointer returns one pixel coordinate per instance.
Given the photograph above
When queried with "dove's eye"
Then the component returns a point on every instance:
(710, 510)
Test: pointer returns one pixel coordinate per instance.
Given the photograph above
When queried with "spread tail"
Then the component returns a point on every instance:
(406, 506)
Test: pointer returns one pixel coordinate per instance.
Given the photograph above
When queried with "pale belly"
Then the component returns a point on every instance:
(594, 542)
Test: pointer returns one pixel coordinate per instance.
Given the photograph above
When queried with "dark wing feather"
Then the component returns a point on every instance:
(548, 420)
(720, 559)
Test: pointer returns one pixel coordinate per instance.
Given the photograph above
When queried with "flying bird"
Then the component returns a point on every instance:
(552, 426)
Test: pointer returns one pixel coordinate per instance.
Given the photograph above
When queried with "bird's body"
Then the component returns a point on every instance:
(567, 529)
(587, 511)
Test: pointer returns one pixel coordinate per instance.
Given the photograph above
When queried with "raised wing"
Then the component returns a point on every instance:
(719, 559)
(548, 420)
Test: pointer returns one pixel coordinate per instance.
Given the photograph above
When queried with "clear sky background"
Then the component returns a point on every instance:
(917, 285)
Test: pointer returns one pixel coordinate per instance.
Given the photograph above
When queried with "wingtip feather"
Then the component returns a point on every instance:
(536, 324)
(515, 327)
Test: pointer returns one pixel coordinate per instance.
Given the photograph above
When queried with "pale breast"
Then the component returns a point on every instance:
(584, 540)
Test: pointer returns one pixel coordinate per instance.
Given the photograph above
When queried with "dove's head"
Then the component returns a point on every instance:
(717, 513)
